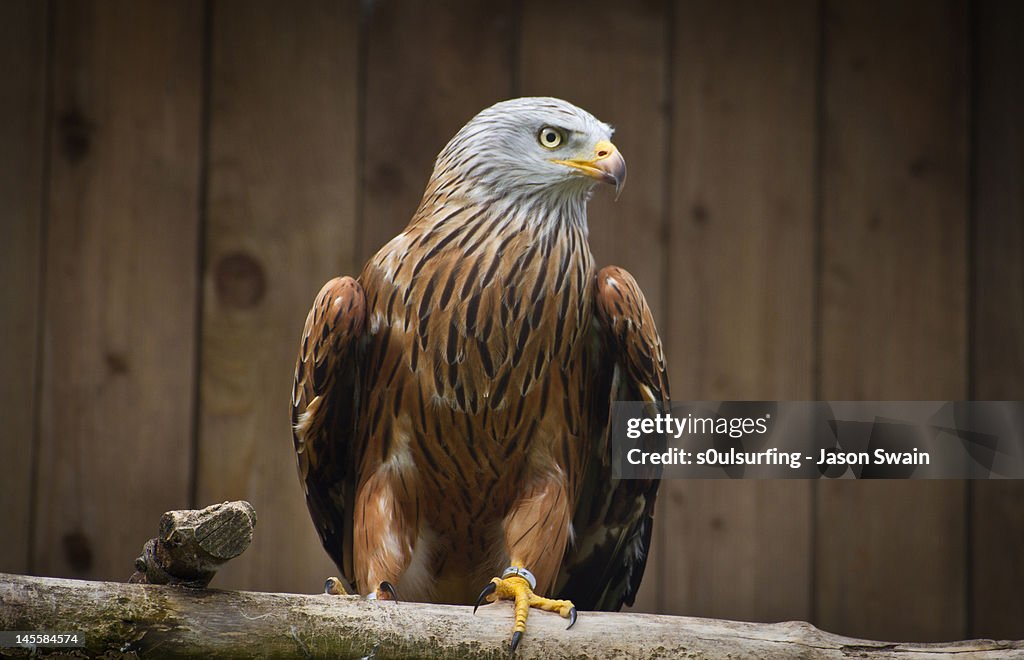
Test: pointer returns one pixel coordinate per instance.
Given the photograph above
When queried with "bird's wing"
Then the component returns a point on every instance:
(613, 519)
(324, 404)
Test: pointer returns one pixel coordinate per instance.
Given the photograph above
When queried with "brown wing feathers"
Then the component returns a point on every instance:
(478, 353)
(324, 401)
(628, 324)
(614, 519)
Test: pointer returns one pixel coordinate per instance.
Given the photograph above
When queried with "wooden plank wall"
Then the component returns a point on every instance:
(281, 211)
(122, 244)
(893, 302)
(740, 319)
(23, 53)
(996, 513)
(825, 201)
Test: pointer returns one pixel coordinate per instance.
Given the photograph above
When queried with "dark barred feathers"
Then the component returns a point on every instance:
(451, 407)
(484, 299)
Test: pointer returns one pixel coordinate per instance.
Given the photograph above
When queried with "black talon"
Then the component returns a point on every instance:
(516, 636)
(390, 589)
(488, 590)
(572, 618)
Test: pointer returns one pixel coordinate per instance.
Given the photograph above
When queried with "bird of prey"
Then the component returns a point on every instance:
(451, 406)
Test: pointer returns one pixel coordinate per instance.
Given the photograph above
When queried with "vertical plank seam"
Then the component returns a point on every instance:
(364, 10)
(972, 284)
(668, 114)
(49, 49)
(517, 11)
(202, 212)
(817, 322)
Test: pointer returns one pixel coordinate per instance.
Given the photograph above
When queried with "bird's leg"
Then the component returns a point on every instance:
(517, 584)
(386, 504)
(536, 533)
(335, 586)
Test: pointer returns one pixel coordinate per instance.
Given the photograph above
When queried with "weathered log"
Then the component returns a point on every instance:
(193, 544)
(168, 621)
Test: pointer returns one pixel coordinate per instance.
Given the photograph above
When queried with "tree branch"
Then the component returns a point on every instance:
(193, 544)
(170, 621)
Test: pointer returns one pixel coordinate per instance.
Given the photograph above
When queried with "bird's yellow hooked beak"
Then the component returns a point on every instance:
(607, 165)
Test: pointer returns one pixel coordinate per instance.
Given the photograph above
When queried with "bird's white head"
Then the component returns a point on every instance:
(533, 147)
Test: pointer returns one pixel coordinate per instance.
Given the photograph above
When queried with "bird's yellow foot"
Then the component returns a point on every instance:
(517, 584)
(336, 587)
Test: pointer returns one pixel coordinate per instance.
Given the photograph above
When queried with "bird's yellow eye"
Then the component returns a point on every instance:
(549, 138)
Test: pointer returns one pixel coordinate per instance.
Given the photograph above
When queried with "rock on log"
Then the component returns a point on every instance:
(168, 621)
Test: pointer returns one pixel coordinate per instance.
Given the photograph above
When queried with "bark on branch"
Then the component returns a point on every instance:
(169, 621)
(193, 544)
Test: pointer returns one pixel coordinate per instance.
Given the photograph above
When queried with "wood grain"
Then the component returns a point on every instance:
(629, 93)
(430, 67)
(997, 507)
(324, 123)
(891, 555)
(740, 291)
(23, 56)
(151, 619)
(121, 271)
(192, 544)
(281, 221)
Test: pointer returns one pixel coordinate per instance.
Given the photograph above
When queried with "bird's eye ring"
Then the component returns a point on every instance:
(549, 138)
